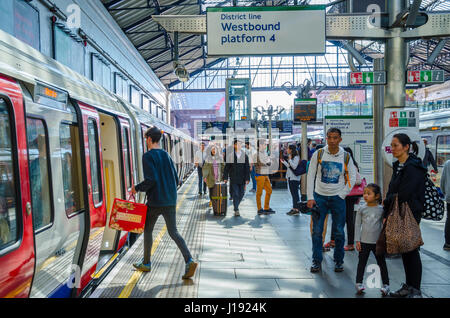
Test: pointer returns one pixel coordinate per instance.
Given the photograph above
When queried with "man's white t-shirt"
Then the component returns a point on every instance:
(330, 179)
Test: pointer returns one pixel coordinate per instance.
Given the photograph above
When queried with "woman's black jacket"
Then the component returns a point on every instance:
(409, 184)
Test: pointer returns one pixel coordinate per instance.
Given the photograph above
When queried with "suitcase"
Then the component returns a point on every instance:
(219, 199)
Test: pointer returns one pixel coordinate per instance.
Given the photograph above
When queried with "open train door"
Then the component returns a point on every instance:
(95, 220)
(17, 255)
(126, 152)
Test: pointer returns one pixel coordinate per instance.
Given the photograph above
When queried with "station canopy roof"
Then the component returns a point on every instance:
(156, 45)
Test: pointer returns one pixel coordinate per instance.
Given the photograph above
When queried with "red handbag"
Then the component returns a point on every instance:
(128, 216)
(358, 190)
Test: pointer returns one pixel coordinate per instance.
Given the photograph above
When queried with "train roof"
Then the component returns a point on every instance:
(148, 119)
(23, 62)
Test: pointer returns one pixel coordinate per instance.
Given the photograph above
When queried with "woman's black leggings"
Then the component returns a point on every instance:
(413, 268)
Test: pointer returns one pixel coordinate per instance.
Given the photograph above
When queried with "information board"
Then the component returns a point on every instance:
(264, 30)
(221, 126)
(358, 134)
(401, 120)
(305, 110)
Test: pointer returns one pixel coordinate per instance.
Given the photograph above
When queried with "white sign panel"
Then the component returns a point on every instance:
(358, 134)
(401, 120)
(265, 30)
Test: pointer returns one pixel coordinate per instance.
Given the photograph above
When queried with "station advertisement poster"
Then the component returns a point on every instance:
(256, 31)
(358, 134)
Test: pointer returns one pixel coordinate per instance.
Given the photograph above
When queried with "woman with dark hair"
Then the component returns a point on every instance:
(408, 183)
(293, 180)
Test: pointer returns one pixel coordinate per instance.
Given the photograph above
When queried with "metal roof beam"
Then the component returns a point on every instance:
(185, 53)
(165, 49)
(195, 60)
(425, 62)
(113, 3)
(147, 18)
(196, 71)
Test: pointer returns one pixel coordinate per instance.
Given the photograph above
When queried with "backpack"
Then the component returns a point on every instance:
(346, 161)
(434, 205)
(301, 168)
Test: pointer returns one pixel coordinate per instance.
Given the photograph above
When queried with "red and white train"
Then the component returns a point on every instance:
(68, 147)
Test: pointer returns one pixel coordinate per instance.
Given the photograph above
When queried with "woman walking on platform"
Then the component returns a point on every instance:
(293, 180)
(408, 183)
(212, 170)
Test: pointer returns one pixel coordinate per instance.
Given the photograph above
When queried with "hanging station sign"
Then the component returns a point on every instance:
(254, 31)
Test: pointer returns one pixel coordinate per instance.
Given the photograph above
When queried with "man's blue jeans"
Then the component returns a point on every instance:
(253, 175)
(336, 206)
(237, 192)
(201, 181)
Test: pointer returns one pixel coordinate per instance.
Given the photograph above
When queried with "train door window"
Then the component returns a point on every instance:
(94, 160)
(126, 152)
(144, 141)
(71, 168)
(161, 143)
(9, 215)
(39, 173)
(443, 150)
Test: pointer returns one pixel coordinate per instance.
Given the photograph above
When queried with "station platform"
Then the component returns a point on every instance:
(253, 256)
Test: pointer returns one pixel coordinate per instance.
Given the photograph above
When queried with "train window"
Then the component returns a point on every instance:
(94, 160)
(144, 142)
(161, 143)
(39, 173)
(9, 220)
(126, 153)
(71, 168)
(443, 150)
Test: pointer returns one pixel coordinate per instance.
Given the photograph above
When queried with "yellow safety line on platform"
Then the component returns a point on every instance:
(126, 292)
(105, 267)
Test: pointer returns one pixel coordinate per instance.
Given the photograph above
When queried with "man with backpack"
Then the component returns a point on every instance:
(331, 176)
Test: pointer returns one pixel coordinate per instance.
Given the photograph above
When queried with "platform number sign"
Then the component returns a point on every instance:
(367, 78)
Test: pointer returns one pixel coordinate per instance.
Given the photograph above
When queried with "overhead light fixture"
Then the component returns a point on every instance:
(286, 89)
(321, 89)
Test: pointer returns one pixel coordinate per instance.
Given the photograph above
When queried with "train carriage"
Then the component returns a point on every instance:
(435, 128)
(68, 147)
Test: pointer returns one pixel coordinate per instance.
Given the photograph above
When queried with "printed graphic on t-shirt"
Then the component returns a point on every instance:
(331, 171)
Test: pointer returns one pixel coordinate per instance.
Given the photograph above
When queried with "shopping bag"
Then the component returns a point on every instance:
(128, 216)
(403, 234)
(358, 189)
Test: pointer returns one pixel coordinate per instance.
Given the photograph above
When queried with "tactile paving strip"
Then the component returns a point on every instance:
(122, 277)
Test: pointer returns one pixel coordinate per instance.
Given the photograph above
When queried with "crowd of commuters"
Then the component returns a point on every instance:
(334, 186)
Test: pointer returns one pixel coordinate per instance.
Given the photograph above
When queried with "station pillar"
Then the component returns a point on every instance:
(396, 61)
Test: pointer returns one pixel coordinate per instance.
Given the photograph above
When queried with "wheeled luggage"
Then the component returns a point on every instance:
(219, 199)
